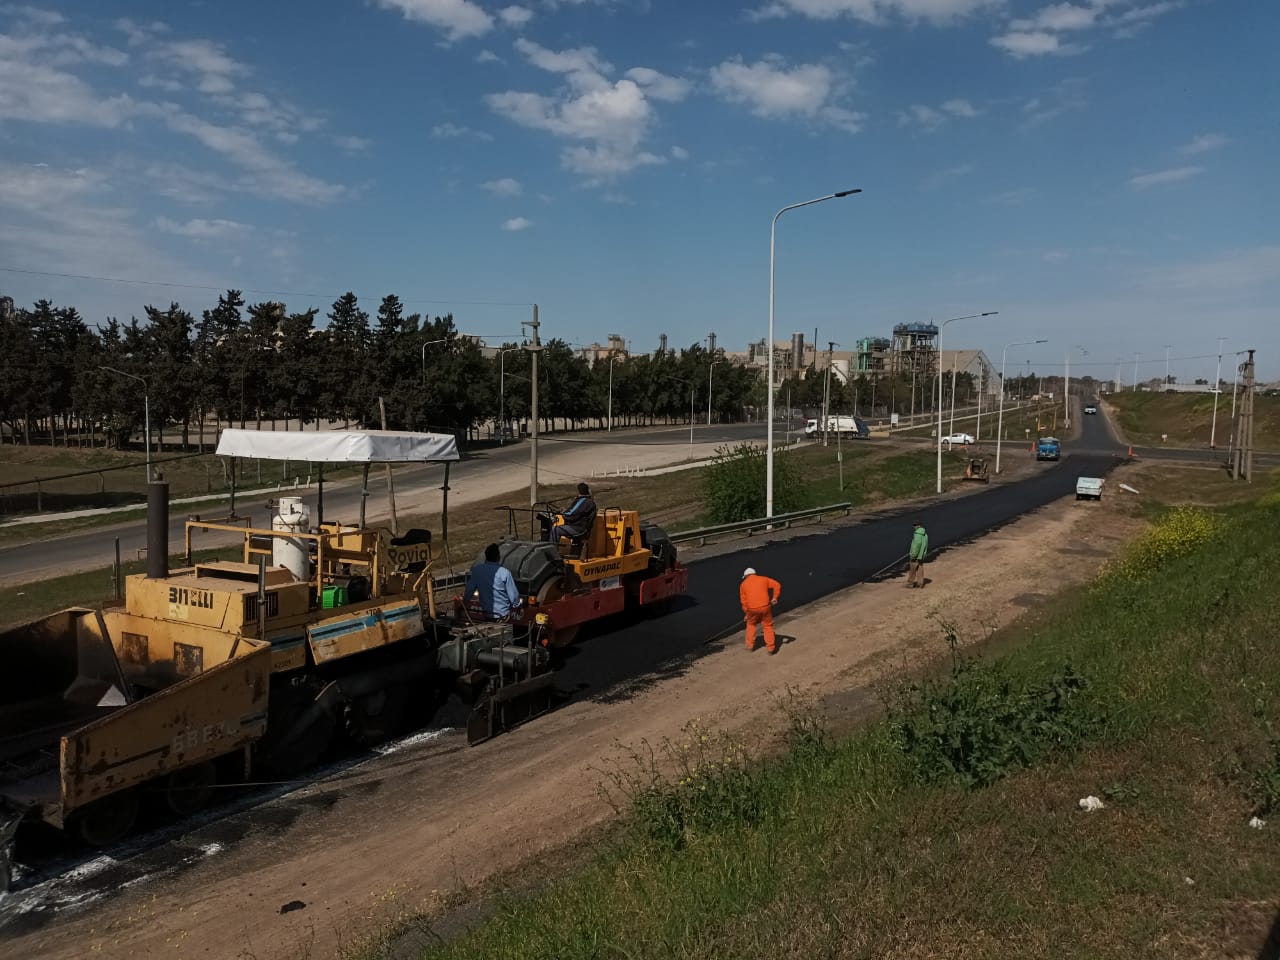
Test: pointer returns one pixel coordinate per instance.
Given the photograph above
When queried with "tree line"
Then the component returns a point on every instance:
(65, 382)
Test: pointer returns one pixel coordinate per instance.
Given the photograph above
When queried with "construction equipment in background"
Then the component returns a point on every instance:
(317, 632)
(976, 470)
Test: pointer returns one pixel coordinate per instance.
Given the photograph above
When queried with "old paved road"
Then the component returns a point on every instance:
(416, 487)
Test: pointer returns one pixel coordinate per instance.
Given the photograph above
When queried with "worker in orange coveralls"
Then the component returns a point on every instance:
(759, 595)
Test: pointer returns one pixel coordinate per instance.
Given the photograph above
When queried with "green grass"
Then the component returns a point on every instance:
(1187, 419)
(840, 848)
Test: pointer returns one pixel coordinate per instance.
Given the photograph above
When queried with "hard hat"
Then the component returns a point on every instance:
(748, 572)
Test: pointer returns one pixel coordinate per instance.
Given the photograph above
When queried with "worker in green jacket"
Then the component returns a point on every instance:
(915, 558)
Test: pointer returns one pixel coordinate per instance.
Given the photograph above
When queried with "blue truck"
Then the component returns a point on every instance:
(1048, 448)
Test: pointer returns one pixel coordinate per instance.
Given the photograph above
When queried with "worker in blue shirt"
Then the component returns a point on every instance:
(491, 586)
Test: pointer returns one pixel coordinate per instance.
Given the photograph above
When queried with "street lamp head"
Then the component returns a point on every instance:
(848, 193)
(989, 313)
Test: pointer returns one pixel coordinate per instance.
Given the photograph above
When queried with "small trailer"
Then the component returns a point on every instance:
(1089, 488)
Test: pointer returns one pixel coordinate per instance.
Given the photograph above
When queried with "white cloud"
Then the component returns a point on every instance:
(939, 12)
(1175, 175)
(457, 18)
(1013, 198)
(505, 187)
(613, 118)
(452, 131)
(1060, 16)
(516, 224)
(1035, 44)
(772, 90)
(488, 56)
(515, 17)
(1233, 273)
(660, 86)
(621, 199)
(1203, 144)
(199, 229)
(265, 172)
(65, 225)
(216, 71)
(679, 153)
(960, 108)
(582, 65)
(352, 144)
(139, 33)
(926, 118)
(1043, 32)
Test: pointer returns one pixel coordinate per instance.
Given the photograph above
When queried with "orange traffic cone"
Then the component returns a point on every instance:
(1131, 456)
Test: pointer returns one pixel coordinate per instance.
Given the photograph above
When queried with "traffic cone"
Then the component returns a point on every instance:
(1131, 456)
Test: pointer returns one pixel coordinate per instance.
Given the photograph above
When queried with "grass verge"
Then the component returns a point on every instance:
(1187, 419)
(951, 828)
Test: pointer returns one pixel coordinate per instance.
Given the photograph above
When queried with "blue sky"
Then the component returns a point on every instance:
(1102, 172)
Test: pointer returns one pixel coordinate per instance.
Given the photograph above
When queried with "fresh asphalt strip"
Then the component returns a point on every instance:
(809, 565)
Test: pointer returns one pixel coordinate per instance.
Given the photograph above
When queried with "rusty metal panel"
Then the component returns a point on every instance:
(199, 718)
(188, 659)
(346, 634)
(402, 621)
(134, 649)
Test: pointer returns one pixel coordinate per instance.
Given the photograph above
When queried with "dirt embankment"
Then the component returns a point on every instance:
(399, 833)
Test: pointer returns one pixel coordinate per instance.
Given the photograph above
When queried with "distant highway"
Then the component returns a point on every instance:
(93, 549)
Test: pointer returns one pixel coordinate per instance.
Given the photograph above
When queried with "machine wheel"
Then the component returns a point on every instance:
(190, 789)
(551, 591)
(378, 716)
(105, 821)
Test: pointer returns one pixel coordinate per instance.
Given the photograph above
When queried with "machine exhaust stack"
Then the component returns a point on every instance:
(157, 529)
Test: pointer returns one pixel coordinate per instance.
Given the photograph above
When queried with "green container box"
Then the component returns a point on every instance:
(331, 597)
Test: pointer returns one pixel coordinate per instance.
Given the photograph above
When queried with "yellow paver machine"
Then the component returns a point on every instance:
(317, 631)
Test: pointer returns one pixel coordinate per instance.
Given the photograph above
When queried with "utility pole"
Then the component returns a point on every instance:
(951, 427)
(826, 394)
(1242, 456)
(1135, 371)
(534, 349)
(1167, 348)
(1118, 362)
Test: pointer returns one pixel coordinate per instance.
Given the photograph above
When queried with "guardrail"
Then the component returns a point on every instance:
(783, 520)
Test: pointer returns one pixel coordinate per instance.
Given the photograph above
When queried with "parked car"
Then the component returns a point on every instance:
(958, 440)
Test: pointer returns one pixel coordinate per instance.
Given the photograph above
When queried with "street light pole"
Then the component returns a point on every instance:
(1135, 371)
(710, 374)
(941, 327)
(1066, 388)
(1217, 379)
(1004, 357)
(1167, 348)
(146, 413)
(768, 488)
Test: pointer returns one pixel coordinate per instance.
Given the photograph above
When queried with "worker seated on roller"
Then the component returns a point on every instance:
(491, 588)
(577, 520)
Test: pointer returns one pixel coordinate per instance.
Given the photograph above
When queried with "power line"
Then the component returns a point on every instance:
(264, 293)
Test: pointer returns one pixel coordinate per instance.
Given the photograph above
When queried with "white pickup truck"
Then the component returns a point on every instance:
(1089, 488)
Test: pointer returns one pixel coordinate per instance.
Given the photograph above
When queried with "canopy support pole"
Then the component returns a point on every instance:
(320, 496)
(364, 493)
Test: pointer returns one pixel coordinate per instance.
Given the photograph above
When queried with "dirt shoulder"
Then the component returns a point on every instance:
(400, 833)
